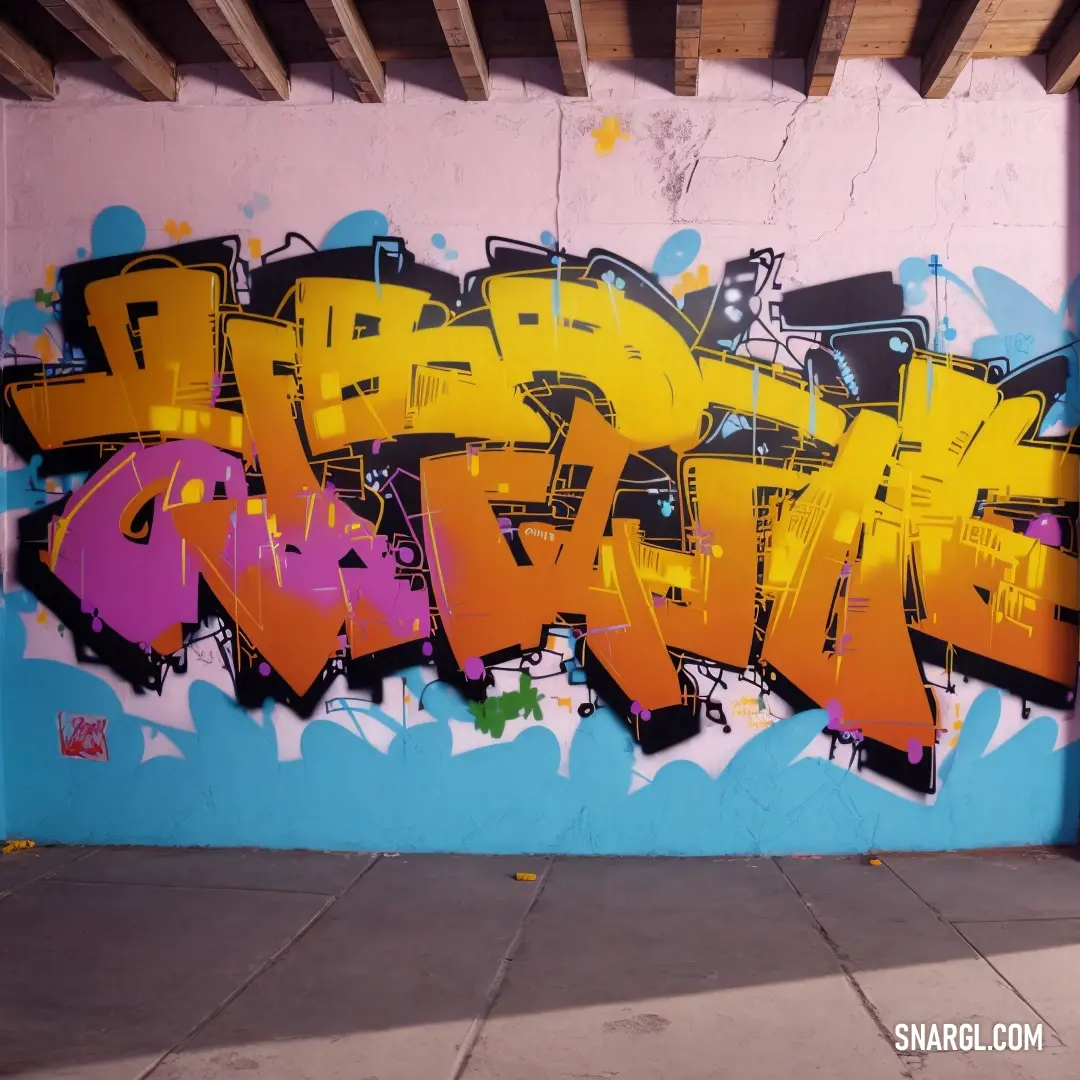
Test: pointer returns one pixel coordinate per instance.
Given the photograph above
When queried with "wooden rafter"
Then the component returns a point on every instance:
(687, 46)
(110, 34)
(569, 32)
(24, 67)
(1063, 63)
(239, 31)
(956, 38)
(824, 56)
(455, 18)
(348, 39)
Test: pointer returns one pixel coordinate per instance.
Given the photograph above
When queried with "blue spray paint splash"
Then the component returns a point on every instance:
(25, 317)
(117, 230)
(258, 204)
(25, 489)
(356, 230)
(677, 253)
(1026, 328)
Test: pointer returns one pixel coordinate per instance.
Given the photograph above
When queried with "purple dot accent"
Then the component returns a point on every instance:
(376, 446)
(264, 669)
(406, 556)
(1070, 696)
(505, 523)
(835, 712)
(914, 751)
(845, 570)
(1046, 529)
(645, 715)
(635, 708)
(427, 648)
(95, 625)
(474, 668)
(144, 646)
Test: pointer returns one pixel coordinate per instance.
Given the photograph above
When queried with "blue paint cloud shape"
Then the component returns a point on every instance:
(344, 794)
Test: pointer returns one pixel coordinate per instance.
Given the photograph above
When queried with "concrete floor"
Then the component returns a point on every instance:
(118, 964)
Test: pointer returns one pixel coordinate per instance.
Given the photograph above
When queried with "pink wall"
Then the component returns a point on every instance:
(851, 183)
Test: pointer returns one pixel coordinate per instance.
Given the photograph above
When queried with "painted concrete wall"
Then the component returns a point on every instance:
(729, 509)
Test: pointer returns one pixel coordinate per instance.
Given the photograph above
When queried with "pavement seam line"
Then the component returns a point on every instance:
(476, 1028)
(989, 963)
(46, 875)
(261, 970)
(1007, 981)
(849, 975)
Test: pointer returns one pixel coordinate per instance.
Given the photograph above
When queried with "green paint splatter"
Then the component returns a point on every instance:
(492, 715)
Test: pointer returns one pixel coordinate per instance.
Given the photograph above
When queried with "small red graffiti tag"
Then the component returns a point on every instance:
(83, 736)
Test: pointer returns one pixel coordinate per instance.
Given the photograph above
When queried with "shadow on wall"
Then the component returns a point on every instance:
(652, 38)
(230, 788)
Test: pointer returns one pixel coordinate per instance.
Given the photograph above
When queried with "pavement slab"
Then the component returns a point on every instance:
(1041, 959)
(916, 968)
(172, 964)
(650, 969)
(385, 986)
(1016, 885)
(100, 980)
(20, 867)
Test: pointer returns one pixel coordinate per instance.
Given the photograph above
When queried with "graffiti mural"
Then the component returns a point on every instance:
(83, 737)
(339, 463)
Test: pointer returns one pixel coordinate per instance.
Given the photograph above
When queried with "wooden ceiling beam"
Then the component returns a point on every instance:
(24, 67)
(955, 39)
(687, 46)
(569, 32)
(1063, 62)
(110, 34)
(348, 39)
(237, 28)
(455, 18)
(824, 56)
